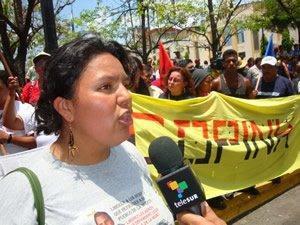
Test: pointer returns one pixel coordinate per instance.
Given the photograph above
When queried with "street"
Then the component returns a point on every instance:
(283, 210)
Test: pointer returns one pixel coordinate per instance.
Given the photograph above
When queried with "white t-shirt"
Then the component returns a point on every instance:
(29, 121)
(20, 108)
(120, 186)
(27, 115)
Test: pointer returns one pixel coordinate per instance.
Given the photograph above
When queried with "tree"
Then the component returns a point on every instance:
(49, 25)
(275, 15)
(133, 23)
(20, 22)
(263, 44)
(287, 42)
(216, 21)
(141, 24)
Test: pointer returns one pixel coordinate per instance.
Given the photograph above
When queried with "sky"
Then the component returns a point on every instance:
(80, 5)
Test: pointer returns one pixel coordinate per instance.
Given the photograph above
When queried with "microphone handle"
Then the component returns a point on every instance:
(195, 209)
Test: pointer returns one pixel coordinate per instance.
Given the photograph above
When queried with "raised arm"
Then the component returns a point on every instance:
(10, 118)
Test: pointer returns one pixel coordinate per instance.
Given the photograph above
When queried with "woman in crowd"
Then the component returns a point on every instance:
(178, 85)
(202, 81)
(90, 168)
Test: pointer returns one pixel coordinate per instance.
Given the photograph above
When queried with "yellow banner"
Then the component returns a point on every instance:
(231, 143)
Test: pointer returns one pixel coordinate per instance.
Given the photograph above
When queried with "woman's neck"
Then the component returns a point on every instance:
(85, 153)
(176, 93)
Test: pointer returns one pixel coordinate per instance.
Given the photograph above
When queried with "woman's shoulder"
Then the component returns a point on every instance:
(131, 150)
(16, 194)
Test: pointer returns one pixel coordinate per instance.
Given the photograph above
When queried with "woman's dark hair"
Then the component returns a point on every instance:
(62, 71)
(189, 88)
(139, 86)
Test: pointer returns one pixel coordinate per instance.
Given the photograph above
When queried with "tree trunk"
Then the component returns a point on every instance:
(49, 25)
(20, 60)
(143, 27)
(214, 31)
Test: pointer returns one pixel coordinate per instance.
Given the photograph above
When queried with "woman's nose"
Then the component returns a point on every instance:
(124, 98)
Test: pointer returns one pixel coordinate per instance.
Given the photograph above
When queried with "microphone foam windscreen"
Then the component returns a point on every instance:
(165, 155)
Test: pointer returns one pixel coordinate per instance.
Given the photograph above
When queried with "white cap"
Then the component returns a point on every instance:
(269, 60)
(41, 54)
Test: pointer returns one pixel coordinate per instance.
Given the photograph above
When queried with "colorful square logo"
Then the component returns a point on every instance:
(179, 187)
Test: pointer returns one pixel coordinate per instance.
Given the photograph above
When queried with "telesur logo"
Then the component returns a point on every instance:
(180, 187)
(173, 185)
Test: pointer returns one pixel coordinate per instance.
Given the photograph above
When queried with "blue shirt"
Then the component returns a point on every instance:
(279, 87)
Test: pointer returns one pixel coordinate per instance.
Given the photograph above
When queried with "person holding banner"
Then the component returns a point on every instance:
(231, 82)
(202, 80)
(271, 84)
(179, 85)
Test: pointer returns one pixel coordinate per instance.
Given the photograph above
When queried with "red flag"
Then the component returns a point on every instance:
(165, 63)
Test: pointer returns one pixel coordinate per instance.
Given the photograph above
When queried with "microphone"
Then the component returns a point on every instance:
(177, 183)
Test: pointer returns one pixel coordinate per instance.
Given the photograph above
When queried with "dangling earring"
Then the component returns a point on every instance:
(73, 149)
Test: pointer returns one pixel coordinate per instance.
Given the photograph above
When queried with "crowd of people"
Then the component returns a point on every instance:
(76, 108)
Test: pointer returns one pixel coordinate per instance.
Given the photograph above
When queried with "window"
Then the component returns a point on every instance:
(255, 40)
(241, 36)
(227, 37)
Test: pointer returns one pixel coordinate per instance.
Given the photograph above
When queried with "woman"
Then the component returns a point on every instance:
(90, 168)
(178, 85)
(202, 81)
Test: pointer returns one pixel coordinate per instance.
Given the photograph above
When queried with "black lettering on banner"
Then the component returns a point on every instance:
(206, 158)
(256, 149)
(181, 144)
(220, 144)
(275, 148)
(269, 146)
(287, 141)
(248, 148)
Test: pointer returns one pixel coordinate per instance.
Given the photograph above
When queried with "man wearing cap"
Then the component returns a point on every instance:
(31, 91)
(271, 85)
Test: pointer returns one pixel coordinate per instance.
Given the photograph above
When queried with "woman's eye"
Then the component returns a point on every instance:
(105, 87)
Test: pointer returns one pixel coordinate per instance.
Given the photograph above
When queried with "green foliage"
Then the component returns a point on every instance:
(269, 14)
(263, 45)
(186, 55)
(287, 42)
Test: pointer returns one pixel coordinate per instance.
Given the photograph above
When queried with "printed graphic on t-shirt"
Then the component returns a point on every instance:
(103, 218)
(135, 210)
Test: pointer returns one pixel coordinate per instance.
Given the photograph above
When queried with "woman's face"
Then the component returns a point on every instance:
(205, 86)
(176, 83)
(102, 105)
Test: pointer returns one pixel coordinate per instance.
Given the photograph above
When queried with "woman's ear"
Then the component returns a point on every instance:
(65, 108)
